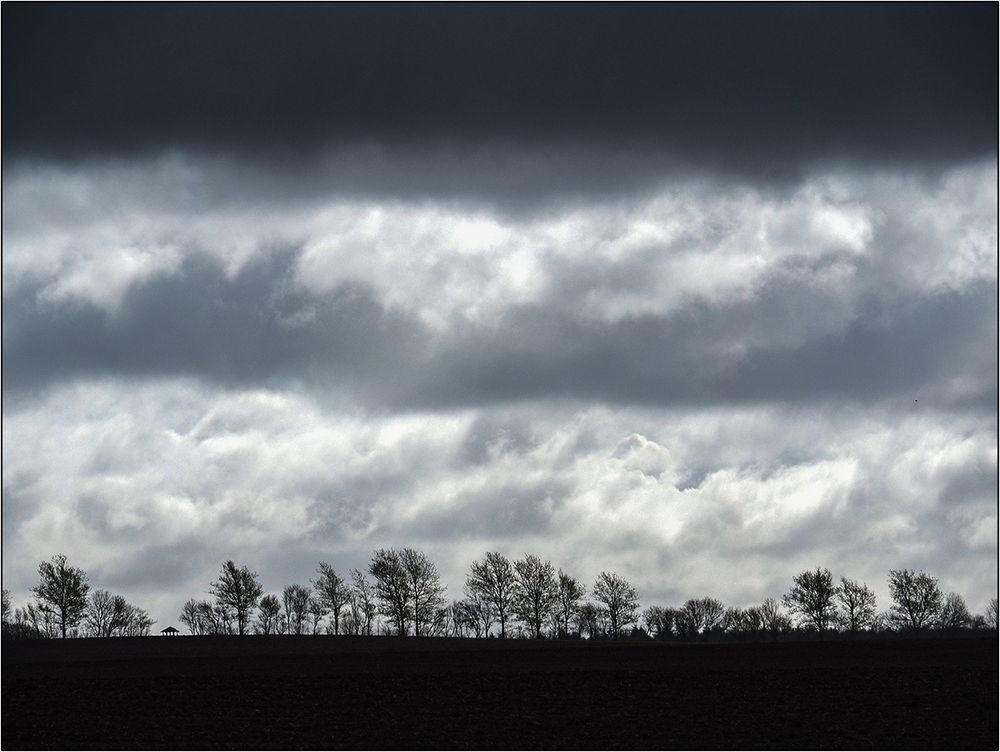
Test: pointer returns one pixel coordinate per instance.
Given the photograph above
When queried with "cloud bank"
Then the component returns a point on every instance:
(700, 295)
(706, 384)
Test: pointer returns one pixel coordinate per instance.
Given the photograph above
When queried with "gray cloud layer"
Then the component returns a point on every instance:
(705, 383)
(843, 287)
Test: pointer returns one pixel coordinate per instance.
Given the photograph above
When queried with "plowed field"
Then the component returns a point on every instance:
(382, 693)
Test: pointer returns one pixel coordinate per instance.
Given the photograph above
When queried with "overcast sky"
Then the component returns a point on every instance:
(705, 295)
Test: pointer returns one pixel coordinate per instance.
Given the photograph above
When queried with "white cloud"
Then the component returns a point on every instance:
(727, 502)
(102, 280)
(108, 229)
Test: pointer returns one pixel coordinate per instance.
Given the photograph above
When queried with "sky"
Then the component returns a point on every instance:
(704, 295)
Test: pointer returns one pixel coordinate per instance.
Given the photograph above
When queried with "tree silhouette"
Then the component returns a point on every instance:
(812, 598)
(857, 605)
(570, 591)
(317, 610)
(238, 589)
(699, 616)
(36, 621)
(363, 596)
(773, 619)
(737, 620)
(619, 598)
(493, 579)
(220, 616)
(296, 602)
(659, 621)
(5, 617)
(592, 619)
(268, 611)
(333, 592)
(106, 614)
(438, 626)
(392, 588)
(191, 616)
(991, 614)
(756, 619)
(472, 615)
(62, 591)
(536, 592)
(137, 622)
(954, 613)
(425, 590)
(917, 599)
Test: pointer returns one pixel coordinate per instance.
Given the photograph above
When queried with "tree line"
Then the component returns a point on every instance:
(400, 593)
(64, 606)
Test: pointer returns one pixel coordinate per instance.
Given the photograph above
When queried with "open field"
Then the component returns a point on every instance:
(335, 692)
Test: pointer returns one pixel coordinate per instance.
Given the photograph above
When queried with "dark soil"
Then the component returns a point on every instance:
(384, 693)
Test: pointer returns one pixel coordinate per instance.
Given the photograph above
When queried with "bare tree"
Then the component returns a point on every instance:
(883, 622)
(659, 621)
(478, 611)
(317, 610)
(363, 595)
(333, 592)
(737, 620)
(392, 588)
(857, 604)
(268, 610)
(700, 615)
(219, 617)
(753, 619)
(772, 618)
(439, 622)
(99, 615)
(593, 619)
(917, 599)
(30, 623)
(620, 599)
(354, 616)
(38, 621)
(954, 613)
(536, 592)
(6, 607)
(466, 620)
(137, 622)
(991, 614)
(191, 615)
(812, 598)
(493, 578)
(296, 602)
(206, 618)
(62, 590)
(238, 589)
(570, 591)
(425, 588)
(107, 614)
(352, 622)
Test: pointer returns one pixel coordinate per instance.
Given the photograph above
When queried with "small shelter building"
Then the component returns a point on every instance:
(170, 632)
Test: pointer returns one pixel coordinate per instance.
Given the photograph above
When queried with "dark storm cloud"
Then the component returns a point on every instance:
(251, 330)
(740, 84)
